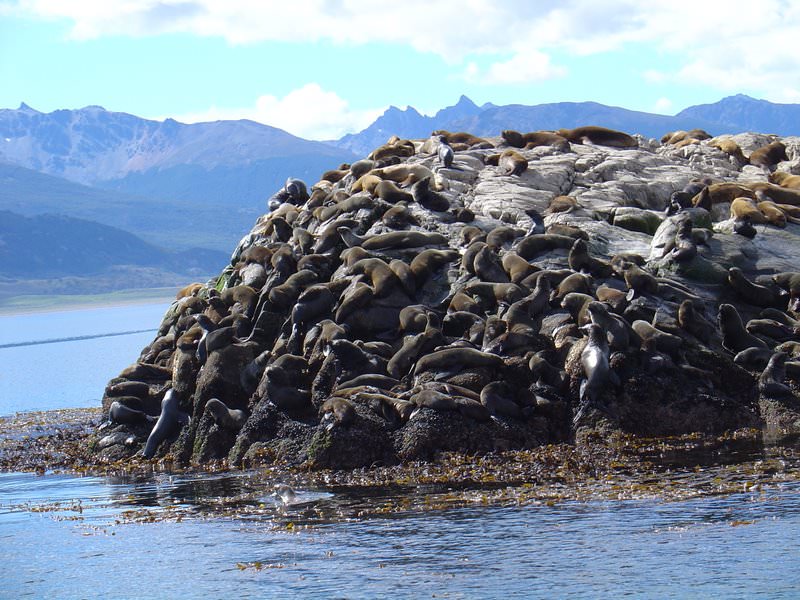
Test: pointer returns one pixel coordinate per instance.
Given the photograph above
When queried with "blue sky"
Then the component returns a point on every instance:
(322, 68)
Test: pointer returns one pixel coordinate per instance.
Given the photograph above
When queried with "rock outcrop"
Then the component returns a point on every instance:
(398, 308)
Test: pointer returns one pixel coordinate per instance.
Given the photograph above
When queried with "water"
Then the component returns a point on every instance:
(741, 545)
(218, 535)
(48, 376)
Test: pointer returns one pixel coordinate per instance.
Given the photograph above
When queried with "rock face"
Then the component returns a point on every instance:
(363, 324)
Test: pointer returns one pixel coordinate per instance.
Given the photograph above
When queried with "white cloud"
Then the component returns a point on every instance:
(309, 112)
(728, 44)
(662, 105)
(527, 66)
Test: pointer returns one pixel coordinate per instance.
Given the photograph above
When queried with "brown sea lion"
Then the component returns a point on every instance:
(767, 157)
(784, 179)
(734, 336)
(511, 162)
(752, 293)
(599, 136)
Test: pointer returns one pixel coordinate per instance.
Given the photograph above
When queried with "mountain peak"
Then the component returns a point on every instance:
(25, 108)
(463, 101)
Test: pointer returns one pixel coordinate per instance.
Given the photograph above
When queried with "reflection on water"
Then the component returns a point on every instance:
(167, 535)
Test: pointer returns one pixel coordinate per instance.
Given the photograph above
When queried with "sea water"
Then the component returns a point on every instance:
(63, 536)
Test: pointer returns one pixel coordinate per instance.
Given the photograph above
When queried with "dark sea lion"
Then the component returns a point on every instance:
(734, 336)
(281, 388)
(313, 303)
(456, 359)
(394, 239)
(575, 282)
(399, 216)
(382, 382)
(753, 358)
(406, 356)
(752, 293)
(388, 191)
(599, 136)
(517, 267)
(428, 198)
(426, 262)
(576, 304)
(488, 267)
(353, 299)
(138, 389)
(639, 280)
(459, 137)
(512, 162)
(405, 275)
(767, 157)
(690, 320)
(361, 167)
(495, 292)
(652, 337)
(169, 422)
(771, 329)
(146, 373)
(771, 382)
(120, 413)
(684, 248)
(354, 361)
(445, 153)
(790, 282)
(774, 314)
(287, 293)
(596, 369)
(616, 299)
(616, 328)
(500, 236)
(224, 417)
(461, 302)
(533, 245)
(457, 323)
(579, 259)
(337, 411)
(383, 279)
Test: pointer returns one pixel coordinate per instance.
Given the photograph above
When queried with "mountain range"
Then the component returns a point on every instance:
(179, 186)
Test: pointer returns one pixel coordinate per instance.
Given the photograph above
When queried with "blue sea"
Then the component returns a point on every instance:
(64, 536)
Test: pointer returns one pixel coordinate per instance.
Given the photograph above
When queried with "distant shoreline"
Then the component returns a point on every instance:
(29, 304)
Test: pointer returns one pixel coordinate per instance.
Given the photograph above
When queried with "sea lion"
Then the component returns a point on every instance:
(576, 304)
(281, 388)
(767, 157)
(735, 337)
(286, 294)
(312, 303)
(388, 191)
(376, 380)
(772, 213)
(426, 262)
(516, 267)
(784, 179)
(383, 279)
(399, 216)
(533, 245)
(535, 139)
(790, 282)
(599, 136)
(512, 162)
(394, 239)
(770, 328)
(428, 198)
(575, 282)
(353, 299)
(753, 358)
(770, 383)
(404, 275)
(224, 417)
(500, 236)
(684, 248)
(596, 369)
(459, 137)
(120, 413)
(717, 193)
(138, 389)
(488, 267)
(653, 338)
(190, 290)
(579, 259)
(616, 328)
(746, 209)
(168, 423)
(752, 293)
(445, 153)
(732, 149)
(690, 320)
(337, 411)
(456, 359)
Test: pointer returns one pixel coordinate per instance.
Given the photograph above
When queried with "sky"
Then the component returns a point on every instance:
(323, 68)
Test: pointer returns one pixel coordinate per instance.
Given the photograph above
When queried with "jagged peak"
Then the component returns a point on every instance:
(26, 108)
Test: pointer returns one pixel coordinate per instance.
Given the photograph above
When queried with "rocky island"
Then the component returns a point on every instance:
(477, 295)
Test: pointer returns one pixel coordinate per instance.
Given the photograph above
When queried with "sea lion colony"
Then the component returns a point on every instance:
(470, 294)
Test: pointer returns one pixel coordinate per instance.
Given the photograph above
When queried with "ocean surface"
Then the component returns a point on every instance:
(165, 536)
